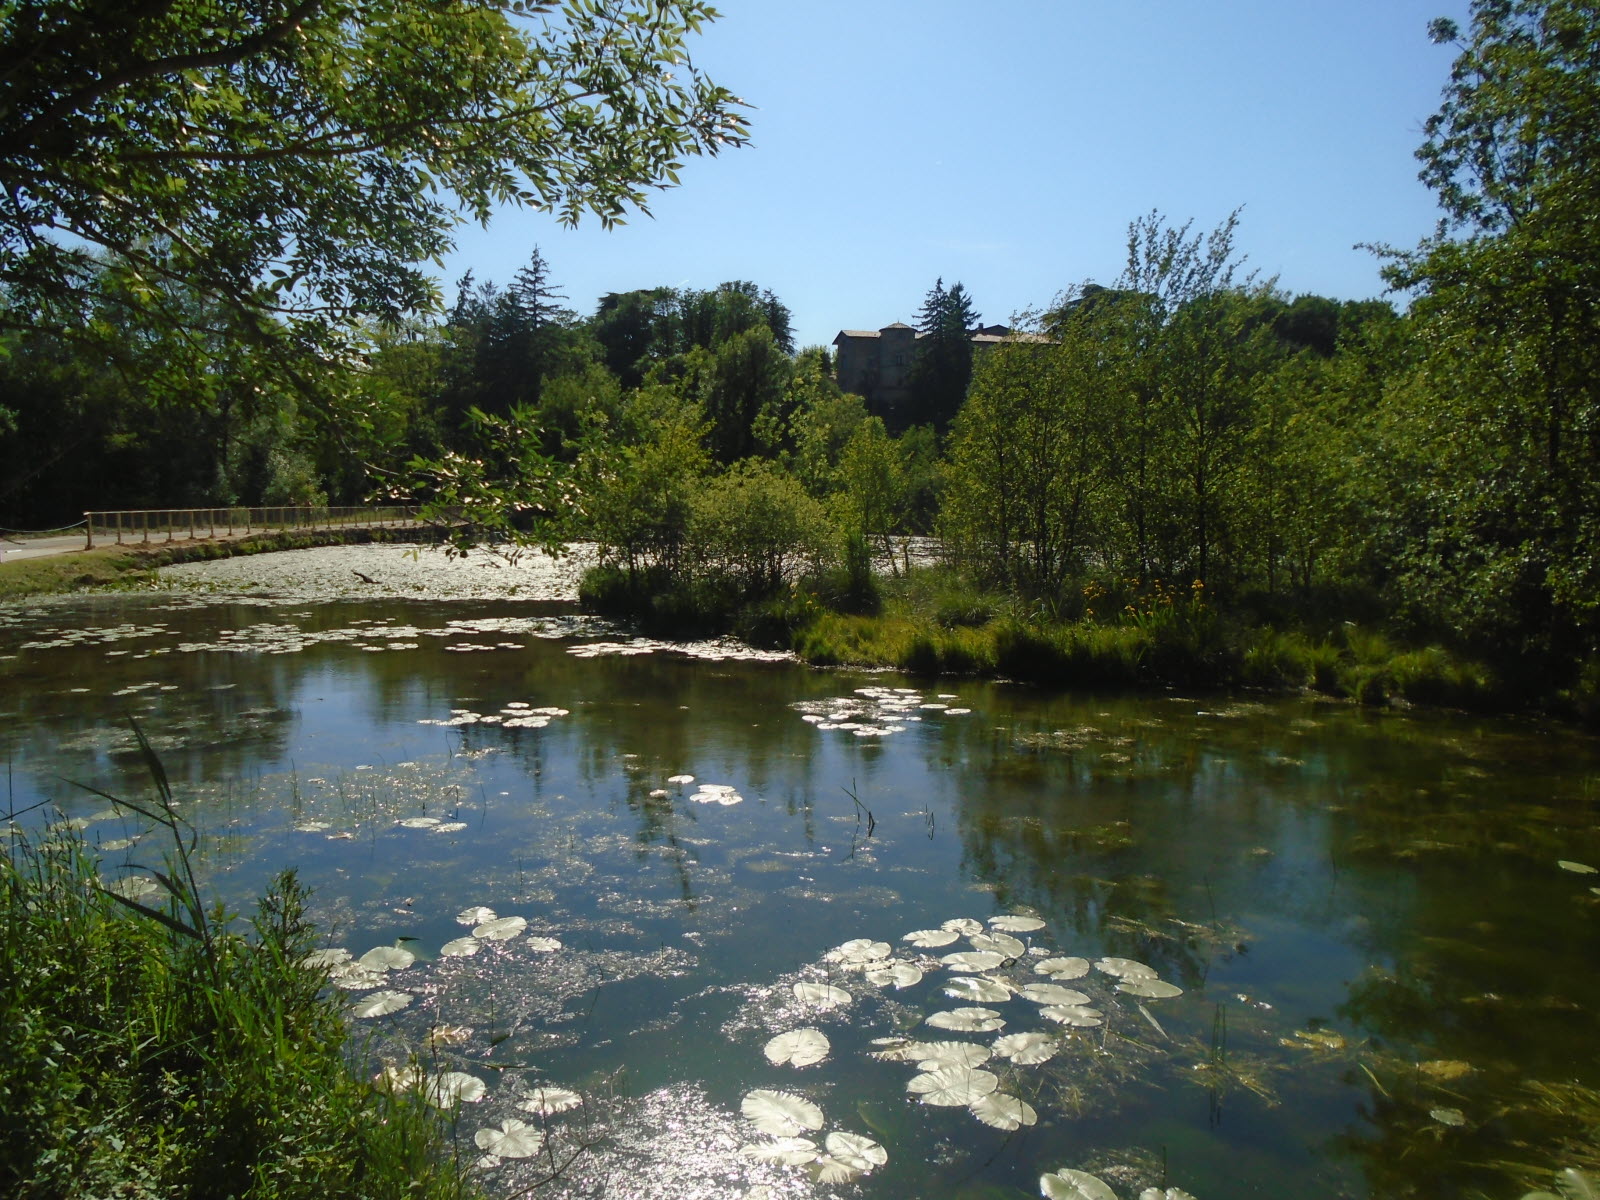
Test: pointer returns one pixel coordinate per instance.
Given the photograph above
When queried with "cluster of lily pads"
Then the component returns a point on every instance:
(724, 794)
(715, 650)
(876, 711)
(519, 714)
(1067, 1184)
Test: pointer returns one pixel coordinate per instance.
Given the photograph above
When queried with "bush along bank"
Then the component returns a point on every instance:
(1141, 636)
(153, 1048)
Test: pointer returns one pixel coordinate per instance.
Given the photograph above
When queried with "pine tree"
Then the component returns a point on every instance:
(943, 369)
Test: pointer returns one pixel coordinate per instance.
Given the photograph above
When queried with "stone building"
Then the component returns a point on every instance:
(876, 364)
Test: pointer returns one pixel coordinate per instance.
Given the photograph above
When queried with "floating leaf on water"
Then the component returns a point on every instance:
(859, 950)
(898, 1049)
(1015, 923)
(1067, 1184)
(822, 995)
(931, 1056)
(1062, 969)
(949, 1087)
(387, 958)
(1149, 989)
(542, 945)
(680, 779)
(312, 827)
(784, 1151)
(967, 1020)
(901, 974)
(380, 1004)
(973, 960)
(418, 822)
(978, 988)
(1027, 1049)
(1164, 1194)
(1052, 993)
(500, 928)
(857, 1153)
(965, 926)
(797, 1048)
(353, 977)
(1126, 968)
(547, 1101)
(997, 943)
(1004, 1111)
(1442, 1070)
(134, 887)
(513, 1139)
(1577, 868)
(927, 939)
(476, 915)
(450, 827)
(1448, 1116)
(330, 957)
(460, 947)
(1076, 1015)
(781, 1114)
(448, 1087)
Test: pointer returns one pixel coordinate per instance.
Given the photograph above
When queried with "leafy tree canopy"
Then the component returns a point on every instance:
(296, 160)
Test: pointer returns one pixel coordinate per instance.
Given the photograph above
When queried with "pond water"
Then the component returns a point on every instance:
(1362, 945)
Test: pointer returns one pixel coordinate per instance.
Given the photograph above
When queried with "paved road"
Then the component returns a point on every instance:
(13, 551)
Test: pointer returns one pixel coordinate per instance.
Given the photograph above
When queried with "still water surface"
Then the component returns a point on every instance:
(1387, 979)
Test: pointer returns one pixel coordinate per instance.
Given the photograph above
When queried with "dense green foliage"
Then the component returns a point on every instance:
(1292, 465)
(181, 1056)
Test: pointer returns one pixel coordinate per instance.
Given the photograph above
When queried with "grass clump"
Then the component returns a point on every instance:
(170, 1052)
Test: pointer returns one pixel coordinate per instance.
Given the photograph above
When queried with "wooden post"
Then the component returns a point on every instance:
(88, 529)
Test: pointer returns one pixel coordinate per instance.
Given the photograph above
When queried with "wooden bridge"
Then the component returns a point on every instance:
(167, 524)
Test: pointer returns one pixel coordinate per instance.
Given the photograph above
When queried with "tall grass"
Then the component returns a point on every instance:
(163, 1050)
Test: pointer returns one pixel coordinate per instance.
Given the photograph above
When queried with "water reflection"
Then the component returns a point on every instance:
(1364, 911)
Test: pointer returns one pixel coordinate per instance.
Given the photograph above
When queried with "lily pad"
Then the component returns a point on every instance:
(547, 1101)
(797, 1048)
(780, 1114)
(387, 958)
(1077, 1015)
(330, 957)
(1004, 1111)
(900, 974)
(928, 939)
(1002, 944)
(784, 1151)
(965, 926)
(1164, 1194)
(1126, 968)
(543, 945)
(1067, 1184)
(1027, 1049)
(1062, 969)
(952, 1087)
(1577, 868)
(980, 989)
(460, 947)
(1149, 989)
(973, 960)
(850, 1154)
(934, 1055)
(967, 1020)
(822, 995)
(1448, 1116)
(500, 929)
(1052, 993)
(859, 950)
(475, 915)
(380, 1004)
(1015, 923)
(513, 1139)
(449, 1087)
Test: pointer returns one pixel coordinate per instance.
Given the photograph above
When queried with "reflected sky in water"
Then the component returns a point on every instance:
(1364, 911)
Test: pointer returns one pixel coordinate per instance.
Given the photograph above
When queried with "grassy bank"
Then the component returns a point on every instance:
(181, 1055)
(131, 566)
(930, 623)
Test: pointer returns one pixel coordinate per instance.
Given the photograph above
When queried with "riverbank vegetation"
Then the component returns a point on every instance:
(1183, 475)
(152, 1046)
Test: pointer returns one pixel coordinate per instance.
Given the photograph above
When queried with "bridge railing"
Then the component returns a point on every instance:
(167, 524)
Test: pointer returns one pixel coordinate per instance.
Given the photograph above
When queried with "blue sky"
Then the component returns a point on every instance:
(1008, 144)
